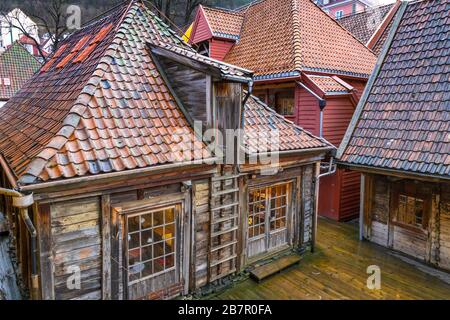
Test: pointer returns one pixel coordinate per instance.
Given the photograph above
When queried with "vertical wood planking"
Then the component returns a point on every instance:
(45, 250)
(106, 247)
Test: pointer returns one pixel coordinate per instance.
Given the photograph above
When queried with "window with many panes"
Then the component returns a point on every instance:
(411, 211)
(151, 243)
(267, 205)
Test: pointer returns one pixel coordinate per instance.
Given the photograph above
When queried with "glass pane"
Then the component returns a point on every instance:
(169, 231)
(158, 218)
(147, 253)
(159, 249)
(169, 246)
(170, 261)
(419, 212)
(158, 234)
(133, 241)
(170, 216)
(133, 224)
(148, 269)
(134, 256)
(146, 238)
(146, 221)
(158, 264)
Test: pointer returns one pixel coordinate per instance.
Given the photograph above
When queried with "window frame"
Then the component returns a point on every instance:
(341, 14)
(177, 207)
(268, 208)
(399, 190)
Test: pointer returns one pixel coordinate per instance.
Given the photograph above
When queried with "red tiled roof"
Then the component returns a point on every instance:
(329, 85)
(109, 112)
(224, 23)
(364, 24)
(281, 38)
(17, 65)
(260, 120)
(404, 124)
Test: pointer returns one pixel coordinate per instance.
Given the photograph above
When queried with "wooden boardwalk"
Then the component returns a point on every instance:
(338, 271)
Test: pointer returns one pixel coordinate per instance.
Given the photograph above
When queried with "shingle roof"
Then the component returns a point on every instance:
(281, 38)
(260, 120)
(328, 85)
(99, 105)
(224, 23)
(17, 65)
(404, 124)
(363, 24)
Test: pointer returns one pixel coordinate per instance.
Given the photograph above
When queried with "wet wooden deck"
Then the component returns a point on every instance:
(337, 270)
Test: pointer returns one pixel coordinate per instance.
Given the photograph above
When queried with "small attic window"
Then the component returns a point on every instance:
(7, 82)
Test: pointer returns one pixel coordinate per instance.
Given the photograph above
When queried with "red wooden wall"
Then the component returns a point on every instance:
(339, 194)
(218, 49)
(201, 30)
(308, 111)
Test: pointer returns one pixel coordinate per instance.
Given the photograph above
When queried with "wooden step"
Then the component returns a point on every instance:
(267, 270)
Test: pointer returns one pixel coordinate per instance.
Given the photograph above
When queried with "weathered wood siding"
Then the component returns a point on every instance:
(192, 96)
(443, 228)
(76, 242)
(201, 213)
(308, 203)
(431, 245)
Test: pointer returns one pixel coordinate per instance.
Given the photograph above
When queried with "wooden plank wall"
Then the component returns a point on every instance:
(432, 245)
(201, 220)
(443, 228)
(308, 202)
(193, 95)
(76, 242)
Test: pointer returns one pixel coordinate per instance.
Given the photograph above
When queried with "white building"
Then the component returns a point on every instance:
(11, 26)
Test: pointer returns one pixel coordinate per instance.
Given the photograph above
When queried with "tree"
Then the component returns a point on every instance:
(49, 17)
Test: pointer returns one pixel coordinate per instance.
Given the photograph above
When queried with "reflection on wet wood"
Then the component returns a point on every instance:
(338, 271)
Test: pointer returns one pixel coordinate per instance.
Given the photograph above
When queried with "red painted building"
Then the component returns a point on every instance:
(341, 8)
(307, 67)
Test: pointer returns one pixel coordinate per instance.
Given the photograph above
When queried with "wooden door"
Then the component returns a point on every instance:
(152, 251)
(269, 213)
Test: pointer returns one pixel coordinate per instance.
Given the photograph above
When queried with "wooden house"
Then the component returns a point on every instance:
(309, 68)
(399, 138)
(97, 190)
(17, 65)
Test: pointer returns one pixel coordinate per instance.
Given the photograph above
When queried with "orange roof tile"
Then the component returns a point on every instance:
(260, 121)
(281, 38)
(224, 23)
(101, 114)
(329, 85)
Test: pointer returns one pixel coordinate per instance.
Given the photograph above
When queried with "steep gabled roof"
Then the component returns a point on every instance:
(99, 105)
(364, 24)
(224, 23)
(280, 38)
(403, 120)
(17, 65)
(260, 120)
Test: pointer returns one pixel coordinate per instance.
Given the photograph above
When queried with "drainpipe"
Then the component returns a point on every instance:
(331, 170)
(322, 105)
(23, 202)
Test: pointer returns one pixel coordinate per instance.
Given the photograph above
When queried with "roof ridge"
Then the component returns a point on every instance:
(73, 117)
(296, 25)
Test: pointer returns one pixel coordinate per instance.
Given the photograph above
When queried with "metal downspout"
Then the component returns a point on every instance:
(331, 170)
(23, 202)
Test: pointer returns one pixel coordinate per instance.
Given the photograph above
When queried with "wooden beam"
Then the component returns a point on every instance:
(45, 252)
(106, 247)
